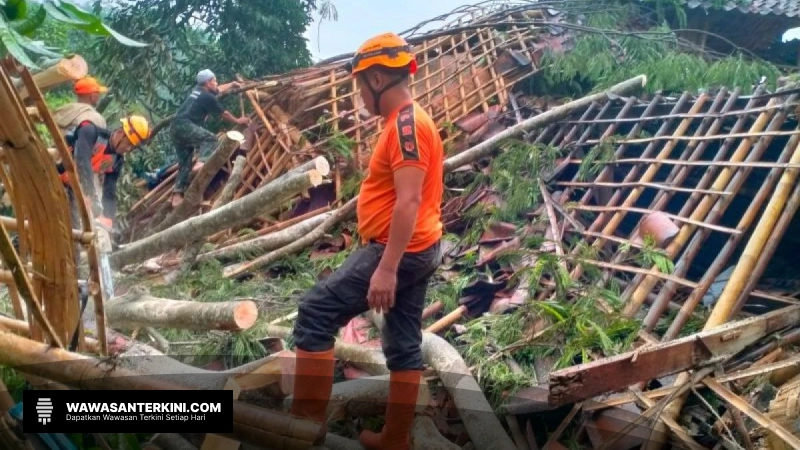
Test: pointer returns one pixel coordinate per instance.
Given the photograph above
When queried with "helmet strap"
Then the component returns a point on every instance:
(376, 95)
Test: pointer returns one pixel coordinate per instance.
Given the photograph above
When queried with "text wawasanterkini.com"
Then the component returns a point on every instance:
(140, 411)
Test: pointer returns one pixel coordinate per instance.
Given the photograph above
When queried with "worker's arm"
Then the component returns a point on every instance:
(84, 146)
(222, 88)
(410, 166)
(110, 195)
(235, 120)
(408, 186)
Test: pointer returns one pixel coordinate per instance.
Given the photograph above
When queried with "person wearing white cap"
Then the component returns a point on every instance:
(187, 127)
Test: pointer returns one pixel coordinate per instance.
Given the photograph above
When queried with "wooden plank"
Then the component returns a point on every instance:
(215, 442)
(613, 374)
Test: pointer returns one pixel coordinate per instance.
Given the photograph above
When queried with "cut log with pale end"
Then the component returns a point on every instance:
(61, 71)
(264, 200)
(147, 311)
(320, 164)
(193, 196)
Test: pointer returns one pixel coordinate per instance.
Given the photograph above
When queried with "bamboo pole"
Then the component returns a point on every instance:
(695, 245)
(700, 212)
(97, 263)
(763, 232)
(633, 174)
(778, 233)
(647, 176)
(724, 255)
(755, 246)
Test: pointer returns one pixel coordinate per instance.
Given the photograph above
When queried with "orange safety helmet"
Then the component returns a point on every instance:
(387, 49)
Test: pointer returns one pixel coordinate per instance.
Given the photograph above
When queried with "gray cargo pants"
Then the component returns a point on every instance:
(186, 136)
(331, 303)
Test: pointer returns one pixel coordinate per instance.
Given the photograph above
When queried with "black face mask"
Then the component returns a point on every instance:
(376, 95)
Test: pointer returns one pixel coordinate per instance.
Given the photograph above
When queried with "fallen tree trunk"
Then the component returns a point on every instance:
(251, 423)
(193, 249)
(363, 397)
(483, 426)
(261, 201)
(193, 196)
(298, 245)
(370, 360)
(147, 311)
(269, 242)
(546, 118)
(233, 182)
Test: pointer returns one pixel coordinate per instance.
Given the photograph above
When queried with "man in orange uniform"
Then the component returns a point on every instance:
(399, 221)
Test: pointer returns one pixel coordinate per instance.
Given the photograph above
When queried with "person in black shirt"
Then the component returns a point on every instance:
(187, 127)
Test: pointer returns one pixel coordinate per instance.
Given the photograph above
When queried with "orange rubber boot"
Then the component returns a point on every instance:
(403, 391)
(313, 383)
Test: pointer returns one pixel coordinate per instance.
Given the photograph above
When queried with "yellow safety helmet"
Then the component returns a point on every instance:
(136, 128)
(387, 49)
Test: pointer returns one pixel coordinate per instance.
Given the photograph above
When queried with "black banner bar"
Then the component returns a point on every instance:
(77, 411)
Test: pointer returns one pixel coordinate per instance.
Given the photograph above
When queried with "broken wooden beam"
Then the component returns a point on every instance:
(619, 372)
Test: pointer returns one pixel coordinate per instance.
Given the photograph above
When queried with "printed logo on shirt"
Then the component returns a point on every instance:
(407, 132)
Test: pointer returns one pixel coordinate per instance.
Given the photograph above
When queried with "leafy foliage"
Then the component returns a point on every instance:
(229, 37)
(610, 53)
(20, 19)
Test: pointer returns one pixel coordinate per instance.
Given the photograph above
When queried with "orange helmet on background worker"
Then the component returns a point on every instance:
(386, 50)
(90, 89)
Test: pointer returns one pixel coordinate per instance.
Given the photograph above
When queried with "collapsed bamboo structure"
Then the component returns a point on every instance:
(317, 111)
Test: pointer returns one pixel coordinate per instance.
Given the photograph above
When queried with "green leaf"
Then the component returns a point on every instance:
(57, 14)
(15, 9)
(31, 23)
(37, 47)
(122, 39)
(94, 25)
(13, 47)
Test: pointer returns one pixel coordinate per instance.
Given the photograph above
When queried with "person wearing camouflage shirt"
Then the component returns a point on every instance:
(187, 127)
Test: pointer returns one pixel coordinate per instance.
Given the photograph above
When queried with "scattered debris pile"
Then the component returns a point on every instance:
(582, 239)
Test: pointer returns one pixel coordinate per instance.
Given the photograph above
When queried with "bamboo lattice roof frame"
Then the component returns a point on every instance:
(460, 72)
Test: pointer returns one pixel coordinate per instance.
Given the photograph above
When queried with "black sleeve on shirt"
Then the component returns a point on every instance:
(110, 194)
(84, 146)
(209, 103)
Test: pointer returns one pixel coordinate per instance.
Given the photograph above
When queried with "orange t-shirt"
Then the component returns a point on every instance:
(410, 138)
